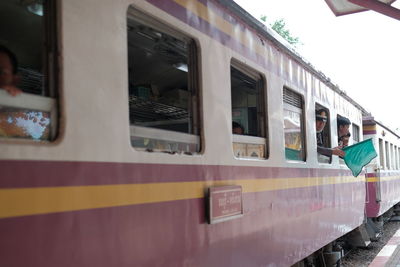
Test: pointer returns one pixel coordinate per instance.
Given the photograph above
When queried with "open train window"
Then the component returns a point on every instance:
(28, 96)
(343, 133)
(293, 125)
(248, 112)
(163, 87)
(323, 129)
(356, 133)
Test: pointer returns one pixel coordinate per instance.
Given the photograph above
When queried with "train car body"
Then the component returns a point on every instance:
(382, 174)
(105, 191)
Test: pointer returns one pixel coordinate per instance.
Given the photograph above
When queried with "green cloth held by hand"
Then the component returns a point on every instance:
(359, 155)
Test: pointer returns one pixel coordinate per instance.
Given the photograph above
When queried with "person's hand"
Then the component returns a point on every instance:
(338, 152)
(12, 90)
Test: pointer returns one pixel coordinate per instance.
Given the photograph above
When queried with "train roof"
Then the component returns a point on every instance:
(370, 120)
(268, 33)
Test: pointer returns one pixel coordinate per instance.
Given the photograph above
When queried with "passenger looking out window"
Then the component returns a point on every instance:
(321, 119)
(8, 71)
(237, 128)
(344, 140)
(28, 64)
(343, 125)
(248, 112)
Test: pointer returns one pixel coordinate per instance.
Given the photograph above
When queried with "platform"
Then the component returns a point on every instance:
(389, 256)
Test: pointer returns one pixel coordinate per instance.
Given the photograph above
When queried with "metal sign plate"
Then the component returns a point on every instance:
(225, 203)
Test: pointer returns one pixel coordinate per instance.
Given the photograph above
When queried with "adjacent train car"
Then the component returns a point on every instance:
(383, 173)
(120, 151)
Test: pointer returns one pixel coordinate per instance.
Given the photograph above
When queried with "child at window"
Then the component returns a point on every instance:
(8, 71)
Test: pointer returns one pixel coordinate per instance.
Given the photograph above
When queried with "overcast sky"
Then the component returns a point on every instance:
(358, 52)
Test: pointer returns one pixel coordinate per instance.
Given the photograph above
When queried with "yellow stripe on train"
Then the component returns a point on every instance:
(30, 201)
(369, 127)
(375, 179)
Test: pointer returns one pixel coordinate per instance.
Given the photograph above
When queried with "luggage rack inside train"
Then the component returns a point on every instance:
(150, 113)
(161, 127)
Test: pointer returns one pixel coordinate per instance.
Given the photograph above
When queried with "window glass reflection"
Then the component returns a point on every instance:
(29, 124)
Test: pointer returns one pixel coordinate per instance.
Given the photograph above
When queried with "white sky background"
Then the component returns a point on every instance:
(359, 52)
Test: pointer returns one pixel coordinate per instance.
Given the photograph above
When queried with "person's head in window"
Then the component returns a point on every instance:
(8, 71)
(343, 124)
(321, 116)
(345, 140)
(237, 128)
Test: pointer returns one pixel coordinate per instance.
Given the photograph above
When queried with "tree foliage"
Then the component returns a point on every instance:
(279, 26)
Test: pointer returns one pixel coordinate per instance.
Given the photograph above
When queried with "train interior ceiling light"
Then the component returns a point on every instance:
(181, 66)
(33, 6)
(345, 7)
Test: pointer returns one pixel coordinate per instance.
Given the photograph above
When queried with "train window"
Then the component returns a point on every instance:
(391, 157)
(343, 131)
(387, 155)
(248, 112)
(28, 96)
(356, 133)
(163, 87)
(293, 120)
(323, 128)
(381, 154)
(396, 158)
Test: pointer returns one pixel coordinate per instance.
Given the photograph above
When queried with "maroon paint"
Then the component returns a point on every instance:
(389, 192)
(372, 205)
(279, 227)
(379, 7)
(341, 13)
(24, 173)
(366, 132)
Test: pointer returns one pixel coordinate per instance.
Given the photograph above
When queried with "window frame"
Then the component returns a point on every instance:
(328, 125)
(303, 135)
(387, 156)
(398, 159)
(381, 154)
(355, 128)
(193, 83)
(261, 104)
(51, 81)
(392, 166)
(341, 160)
